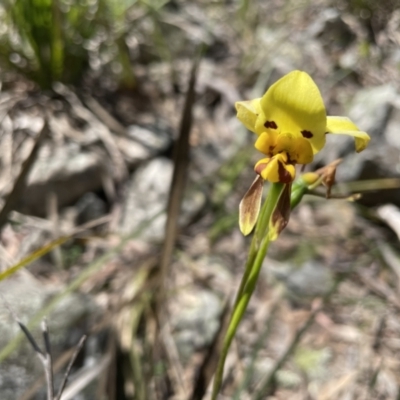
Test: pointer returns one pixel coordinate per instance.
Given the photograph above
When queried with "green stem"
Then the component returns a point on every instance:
(268, 208)
(259, 233)
(258, 250)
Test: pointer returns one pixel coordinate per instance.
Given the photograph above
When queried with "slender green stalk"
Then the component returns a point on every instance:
(258, 250)
(259, 233)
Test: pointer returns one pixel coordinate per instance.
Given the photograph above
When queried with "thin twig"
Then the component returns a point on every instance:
(47, 361)
(85, 377)
(44, 357)
(53, 217)
(22, 326)
(181, 160)
(337, 196)
(71, 363)
(173, 357)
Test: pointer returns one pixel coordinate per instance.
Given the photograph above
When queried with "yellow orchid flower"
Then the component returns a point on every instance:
(291, 123)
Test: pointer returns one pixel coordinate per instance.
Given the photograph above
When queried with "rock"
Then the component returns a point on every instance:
(375, 111)
(67, 171)
(306, 281)
(377, 162)
(67, 323)
(146, 200)
(392, 132)
(317, 27)
(370, 109)
(310, 280)
(70, 172)
(211, 153)
(197, 320)
(334, 33)
(89, 207)
(193, 201)
(143, 143)
(155, 139)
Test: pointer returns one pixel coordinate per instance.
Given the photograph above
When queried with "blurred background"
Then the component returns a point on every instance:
(95, 114)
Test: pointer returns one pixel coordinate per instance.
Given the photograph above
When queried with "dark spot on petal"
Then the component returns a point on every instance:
(271, 125)
(326, 133)
(307, 134)
(283, 173)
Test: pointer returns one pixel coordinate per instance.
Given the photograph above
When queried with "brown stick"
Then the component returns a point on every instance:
(19, 184)
(71, 363)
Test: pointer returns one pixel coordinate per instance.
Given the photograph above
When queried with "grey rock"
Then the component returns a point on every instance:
(370, 109)
(375, 111)
(195, 324)
(331, 30)
(392, 132)
(193, 201)
(377, 162)
(317, 27)
(70, 172)
(308, 280)
(143, 143)
(27, 122)
(89, 207)
(155, 139)
(210, 155)
(67, 171)
(146, 200)
(26, 296)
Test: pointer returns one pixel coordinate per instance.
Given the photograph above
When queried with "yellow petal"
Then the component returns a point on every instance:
(344, 126)
(285, 142)
(275, 169)
(298, 148)
(247, 113)
(295, 104)
(266, 143)
(302, 152)
(265, 125)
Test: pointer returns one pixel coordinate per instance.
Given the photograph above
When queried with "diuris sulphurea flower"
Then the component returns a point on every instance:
(291, 124)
